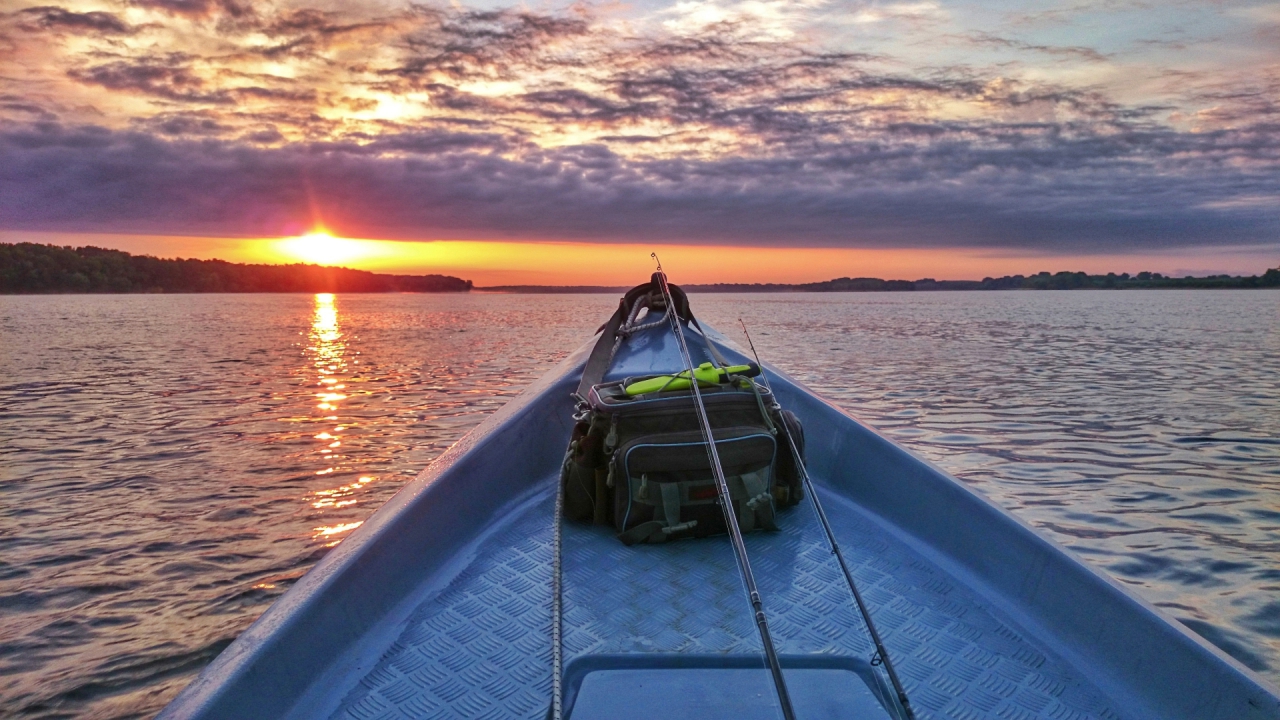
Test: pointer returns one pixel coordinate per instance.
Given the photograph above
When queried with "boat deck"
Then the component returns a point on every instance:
(480, 648)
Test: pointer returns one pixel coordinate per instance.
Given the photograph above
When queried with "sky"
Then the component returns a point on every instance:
(753, 141)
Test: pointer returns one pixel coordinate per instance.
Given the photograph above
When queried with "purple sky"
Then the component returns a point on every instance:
(1066, 129)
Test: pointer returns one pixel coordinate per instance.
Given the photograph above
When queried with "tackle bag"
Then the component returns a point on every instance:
(640, 463)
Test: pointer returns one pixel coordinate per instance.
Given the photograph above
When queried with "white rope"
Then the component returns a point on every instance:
(630, 327)
(557, 661)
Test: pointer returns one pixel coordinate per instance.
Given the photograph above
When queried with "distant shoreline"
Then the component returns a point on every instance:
(36, 269)
(1041, 281)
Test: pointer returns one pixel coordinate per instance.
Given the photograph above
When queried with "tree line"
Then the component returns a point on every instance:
(37, 268)
(1039, 281)
(1110, 281)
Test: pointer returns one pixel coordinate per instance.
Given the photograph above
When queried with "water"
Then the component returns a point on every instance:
(171, 465)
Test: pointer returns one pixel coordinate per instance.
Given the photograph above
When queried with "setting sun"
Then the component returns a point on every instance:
(321, 248)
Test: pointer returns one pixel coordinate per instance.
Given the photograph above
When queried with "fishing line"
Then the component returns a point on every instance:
(882, 654)
(726, 503)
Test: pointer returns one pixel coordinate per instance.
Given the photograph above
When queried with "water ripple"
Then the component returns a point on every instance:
(173, 464)
(1141, 430)
(176, 464)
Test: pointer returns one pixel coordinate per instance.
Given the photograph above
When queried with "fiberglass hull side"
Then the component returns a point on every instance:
(282, 665)
(1152, 665)
(342, 622)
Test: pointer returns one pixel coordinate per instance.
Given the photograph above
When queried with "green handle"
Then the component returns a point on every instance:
(706, 373)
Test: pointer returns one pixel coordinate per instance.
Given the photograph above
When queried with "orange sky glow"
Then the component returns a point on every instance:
(578, 263)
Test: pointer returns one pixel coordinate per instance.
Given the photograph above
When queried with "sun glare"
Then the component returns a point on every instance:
(321, 248)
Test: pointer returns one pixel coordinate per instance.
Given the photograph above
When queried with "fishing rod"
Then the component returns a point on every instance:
(726, 503)
(882, 654)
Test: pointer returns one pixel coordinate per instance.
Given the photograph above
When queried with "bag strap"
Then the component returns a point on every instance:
(657, 531)
(607, 345)
(647, 532)
(602, 354)
(670, 503)
(711, 347)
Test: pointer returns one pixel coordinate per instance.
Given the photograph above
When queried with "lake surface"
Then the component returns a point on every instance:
(171, 464)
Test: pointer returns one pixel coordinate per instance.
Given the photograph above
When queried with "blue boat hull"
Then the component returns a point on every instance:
(439, 605)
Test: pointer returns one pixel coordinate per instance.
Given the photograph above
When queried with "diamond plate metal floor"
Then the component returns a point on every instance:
(481, 649)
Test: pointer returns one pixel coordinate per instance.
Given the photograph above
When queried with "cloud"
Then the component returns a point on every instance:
(430, 121)
(760, 19)
(912, 12)
(459, 184)
(61, 19)
(184, 123)
(169, 78)
(992, 40)
(197, 8)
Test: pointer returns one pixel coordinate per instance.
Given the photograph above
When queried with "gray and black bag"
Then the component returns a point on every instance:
(640, 463)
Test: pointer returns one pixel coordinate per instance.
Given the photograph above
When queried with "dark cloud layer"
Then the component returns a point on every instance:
(460, 184)
(564, 126)
(57, 18)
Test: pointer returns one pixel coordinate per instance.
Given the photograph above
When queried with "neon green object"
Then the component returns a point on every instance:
(706, 373)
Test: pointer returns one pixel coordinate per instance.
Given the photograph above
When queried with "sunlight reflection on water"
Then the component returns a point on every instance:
(328, 355)
(173, 464)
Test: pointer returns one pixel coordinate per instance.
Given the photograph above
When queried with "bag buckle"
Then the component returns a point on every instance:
(680, 528)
